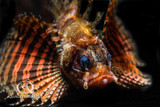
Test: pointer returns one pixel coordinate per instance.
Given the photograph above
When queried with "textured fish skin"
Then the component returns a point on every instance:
(39, 60)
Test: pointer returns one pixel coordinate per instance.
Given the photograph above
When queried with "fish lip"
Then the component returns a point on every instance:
(100, 81)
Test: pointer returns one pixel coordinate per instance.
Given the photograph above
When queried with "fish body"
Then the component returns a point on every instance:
(40, 60)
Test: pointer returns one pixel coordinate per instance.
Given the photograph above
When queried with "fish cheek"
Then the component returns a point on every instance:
(67, 59)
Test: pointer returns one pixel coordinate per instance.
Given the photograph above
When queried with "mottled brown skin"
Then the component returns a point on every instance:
(77, 38)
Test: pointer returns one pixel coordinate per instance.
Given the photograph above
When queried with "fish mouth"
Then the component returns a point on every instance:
(98, 82)
(101, 81)
(98, 77)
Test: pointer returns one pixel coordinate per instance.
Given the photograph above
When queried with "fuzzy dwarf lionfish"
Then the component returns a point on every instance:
(40, 60)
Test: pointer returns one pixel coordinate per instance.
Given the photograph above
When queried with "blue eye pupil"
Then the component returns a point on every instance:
(109, 57)
(84, 62)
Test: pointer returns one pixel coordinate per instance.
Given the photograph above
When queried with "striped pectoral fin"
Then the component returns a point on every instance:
(116, 38)
(27, 56)
(123, 52)
(54, 92)
(51, 87)
(129, 76)
(47, 89)
(29, 46)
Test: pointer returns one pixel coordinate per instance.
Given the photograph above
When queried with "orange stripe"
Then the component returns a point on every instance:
(115, 29)
(9, 63)
(113, 23)
(8, 69)
(116, 44)
(44, 35)
(20, 60)
(26, 72)
(110, 19)
(35, 28)
(6, 57)
(20, 22)
(119, 37)
(24, 50)
(42, 61)
(110, 47)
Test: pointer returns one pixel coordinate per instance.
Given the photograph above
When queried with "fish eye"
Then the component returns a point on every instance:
(109, 57)
(85, 63)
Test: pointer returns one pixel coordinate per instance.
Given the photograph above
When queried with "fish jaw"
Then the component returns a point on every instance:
(98, 77)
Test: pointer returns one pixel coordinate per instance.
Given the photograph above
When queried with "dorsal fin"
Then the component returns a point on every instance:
(60, 7)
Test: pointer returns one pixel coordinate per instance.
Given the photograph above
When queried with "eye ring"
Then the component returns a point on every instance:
(85, 63)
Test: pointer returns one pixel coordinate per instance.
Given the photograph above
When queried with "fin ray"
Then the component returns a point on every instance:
(123, 52)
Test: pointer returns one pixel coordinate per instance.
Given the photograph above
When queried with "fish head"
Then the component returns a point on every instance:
(87, 66)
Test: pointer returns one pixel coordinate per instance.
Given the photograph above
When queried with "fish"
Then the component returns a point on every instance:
(41, 60)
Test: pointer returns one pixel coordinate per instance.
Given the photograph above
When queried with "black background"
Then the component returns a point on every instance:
(142, 19)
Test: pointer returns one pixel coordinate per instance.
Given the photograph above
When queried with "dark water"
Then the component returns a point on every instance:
(142, 19)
